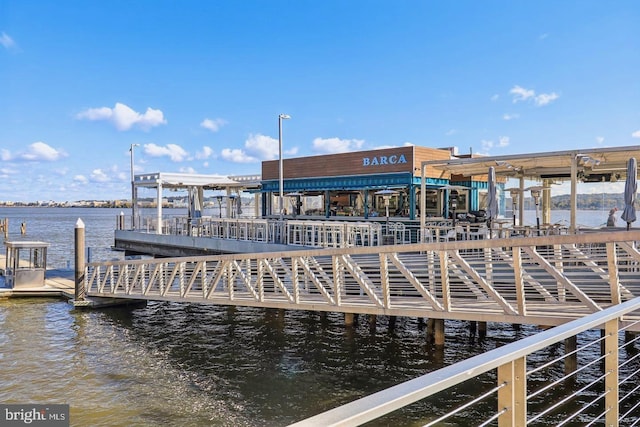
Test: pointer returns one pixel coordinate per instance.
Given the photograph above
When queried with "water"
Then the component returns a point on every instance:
(199, 365)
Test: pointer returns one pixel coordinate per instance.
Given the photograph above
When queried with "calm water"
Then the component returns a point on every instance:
(196, 365)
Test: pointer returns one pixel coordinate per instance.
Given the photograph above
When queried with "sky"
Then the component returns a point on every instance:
(199, 85)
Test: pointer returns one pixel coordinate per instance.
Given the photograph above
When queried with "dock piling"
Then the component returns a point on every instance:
(79, 261)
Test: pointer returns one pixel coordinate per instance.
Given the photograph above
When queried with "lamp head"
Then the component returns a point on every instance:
(284, 116)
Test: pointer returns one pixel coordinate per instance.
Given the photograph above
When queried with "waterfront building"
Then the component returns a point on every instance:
(353, 184)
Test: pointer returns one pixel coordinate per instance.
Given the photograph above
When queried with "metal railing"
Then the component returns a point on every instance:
(538, 280)
(594, 384)
(310, 233)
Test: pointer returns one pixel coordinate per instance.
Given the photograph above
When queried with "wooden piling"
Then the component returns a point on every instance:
(392, 322)
(372, 321)
(80, 291)
(348, 319)
(482, 329)
(438, 326)
(571, 359)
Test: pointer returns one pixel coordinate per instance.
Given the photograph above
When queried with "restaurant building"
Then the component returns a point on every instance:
(360, 184)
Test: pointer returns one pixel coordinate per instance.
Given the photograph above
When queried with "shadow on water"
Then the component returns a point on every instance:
(278, 367)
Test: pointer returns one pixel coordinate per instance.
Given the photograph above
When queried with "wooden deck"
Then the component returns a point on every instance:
(57, 283)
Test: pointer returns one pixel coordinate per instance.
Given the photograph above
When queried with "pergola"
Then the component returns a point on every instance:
(194, 183)
(584, 165)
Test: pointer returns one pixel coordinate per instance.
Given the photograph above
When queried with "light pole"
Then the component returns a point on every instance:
(280, 165)
(134, 201)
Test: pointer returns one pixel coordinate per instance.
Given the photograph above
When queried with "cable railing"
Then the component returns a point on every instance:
(593, 384)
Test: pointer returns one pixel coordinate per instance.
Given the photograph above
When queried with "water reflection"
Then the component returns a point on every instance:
(198, 365)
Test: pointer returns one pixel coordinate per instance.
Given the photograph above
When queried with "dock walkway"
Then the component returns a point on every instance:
(57, 283)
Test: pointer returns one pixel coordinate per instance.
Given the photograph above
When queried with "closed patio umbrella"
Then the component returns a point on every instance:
(630, 189)
(492, 197)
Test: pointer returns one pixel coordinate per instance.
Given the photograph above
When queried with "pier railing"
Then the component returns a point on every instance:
(540, 280)
(593, 384)
(302, 232)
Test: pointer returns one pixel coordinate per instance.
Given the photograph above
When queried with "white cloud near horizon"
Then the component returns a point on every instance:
(213, 125)
(336, 145)
(636, 134)
(521, 94)
(173, 151)
(36, 152)
(124, 117)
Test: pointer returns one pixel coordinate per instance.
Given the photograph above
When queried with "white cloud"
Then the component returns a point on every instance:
(205, 153)
(599, 139)
(262, 146)
(213, 125)
(7, 41)
(38, 151)
(636, 134)
(487, 145)
(545, 98)
(187, 170)
(336, 145)
(237, 155)
(98, 175)
(521, 94)
(81, 179)
(172, 151)
(508, 116)
(124, 117)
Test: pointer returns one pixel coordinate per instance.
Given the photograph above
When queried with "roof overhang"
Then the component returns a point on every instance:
(592, 165)
(185, 180)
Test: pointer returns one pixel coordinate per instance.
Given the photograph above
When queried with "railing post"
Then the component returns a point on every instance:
(512, 398)
(611, 373)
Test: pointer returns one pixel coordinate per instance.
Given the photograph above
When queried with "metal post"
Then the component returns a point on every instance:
(134, 200)
(280, 165)
(79, 261)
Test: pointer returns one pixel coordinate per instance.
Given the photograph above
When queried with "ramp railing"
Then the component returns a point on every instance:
(542, 280)
(592, 383)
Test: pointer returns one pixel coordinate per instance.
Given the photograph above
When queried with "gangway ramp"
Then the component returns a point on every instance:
(545, 280)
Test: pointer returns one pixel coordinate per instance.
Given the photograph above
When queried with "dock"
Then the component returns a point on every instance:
(57, 283)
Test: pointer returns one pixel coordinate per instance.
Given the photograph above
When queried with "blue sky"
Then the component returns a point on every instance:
(199, 84)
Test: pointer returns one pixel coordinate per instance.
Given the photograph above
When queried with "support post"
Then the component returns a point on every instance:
(611, 384)
(482, 329)
(348, 319)
(513, 396)
(571, 360)
(439, 332)
(80, 290)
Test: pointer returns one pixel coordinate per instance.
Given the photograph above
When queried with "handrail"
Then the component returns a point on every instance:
(401, 395)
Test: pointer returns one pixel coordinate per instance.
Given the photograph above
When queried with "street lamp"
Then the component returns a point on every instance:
(281, 117)
(134, 200)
